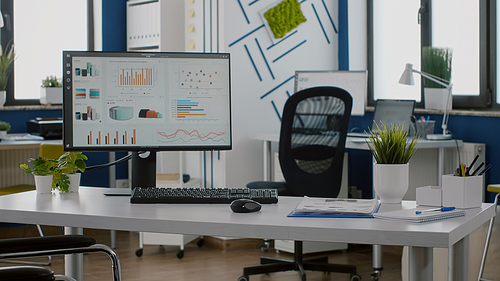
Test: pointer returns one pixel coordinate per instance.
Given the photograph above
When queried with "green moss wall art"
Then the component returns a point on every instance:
(285, 17)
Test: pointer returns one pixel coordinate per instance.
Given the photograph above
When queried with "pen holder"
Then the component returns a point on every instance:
(424, 128)
(462, 192)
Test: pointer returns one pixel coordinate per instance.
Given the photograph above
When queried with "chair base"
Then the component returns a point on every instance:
(270, 265)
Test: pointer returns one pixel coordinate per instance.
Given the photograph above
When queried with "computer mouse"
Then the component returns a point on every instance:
(245, 206)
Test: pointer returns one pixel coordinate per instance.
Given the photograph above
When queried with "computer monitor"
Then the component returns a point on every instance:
(393, 112)
(146, 101)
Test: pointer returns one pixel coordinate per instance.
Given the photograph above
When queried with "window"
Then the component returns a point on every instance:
(466, 26)
(394, 45)
(40, 30)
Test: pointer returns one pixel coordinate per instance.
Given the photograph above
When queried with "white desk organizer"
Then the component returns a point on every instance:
(462, 192)
(429, 196)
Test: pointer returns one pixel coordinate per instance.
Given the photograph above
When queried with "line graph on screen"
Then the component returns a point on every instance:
(183, 135)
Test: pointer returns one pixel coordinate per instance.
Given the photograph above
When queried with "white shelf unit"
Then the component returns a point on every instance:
(151, 25)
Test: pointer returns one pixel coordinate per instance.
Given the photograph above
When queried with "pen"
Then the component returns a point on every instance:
(485, 170)
(472, 164)
(443, 209)
(477, 170)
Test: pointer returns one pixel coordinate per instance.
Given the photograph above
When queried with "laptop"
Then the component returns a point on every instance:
(389, 112)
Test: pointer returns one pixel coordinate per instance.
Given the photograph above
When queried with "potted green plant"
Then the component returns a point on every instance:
(69, 168)
(392, 150)
(4, 128)
(436, 61)
(51, 90)
(6, 62)
(43, 170)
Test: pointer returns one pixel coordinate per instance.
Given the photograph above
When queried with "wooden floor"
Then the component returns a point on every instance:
(207, 263)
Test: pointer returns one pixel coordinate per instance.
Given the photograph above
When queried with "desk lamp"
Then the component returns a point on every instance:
(407, 79)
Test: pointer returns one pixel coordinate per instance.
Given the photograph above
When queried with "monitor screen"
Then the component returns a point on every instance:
(151, 101)
(393, 112)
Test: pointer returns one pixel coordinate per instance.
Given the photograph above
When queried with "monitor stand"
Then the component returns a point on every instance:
(143, 173)
(143, 169)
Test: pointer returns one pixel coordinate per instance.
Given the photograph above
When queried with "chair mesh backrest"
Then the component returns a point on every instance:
(312, 140)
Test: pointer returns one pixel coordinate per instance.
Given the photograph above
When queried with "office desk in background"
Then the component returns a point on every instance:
(91, 209)
(359, 143)
(15, 152)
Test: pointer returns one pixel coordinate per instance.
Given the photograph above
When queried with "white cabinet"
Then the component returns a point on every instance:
(152, 25)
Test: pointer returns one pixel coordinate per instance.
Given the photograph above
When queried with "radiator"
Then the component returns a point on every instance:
(424, 164)
(10, 172)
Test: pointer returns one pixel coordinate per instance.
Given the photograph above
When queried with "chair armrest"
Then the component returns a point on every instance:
(56, 242)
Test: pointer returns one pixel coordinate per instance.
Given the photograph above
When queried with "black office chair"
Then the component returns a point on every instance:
(49, 245)
(311, 152)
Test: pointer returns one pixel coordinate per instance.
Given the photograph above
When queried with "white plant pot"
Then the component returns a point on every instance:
(74, 182)
(391, 181)
(436, 98)
(3, 134)
(3, 97)
(52, 95)
(43, 184)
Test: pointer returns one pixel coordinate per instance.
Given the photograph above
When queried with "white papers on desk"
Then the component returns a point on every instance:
(337, 206)
(27, 137)
(411, 216)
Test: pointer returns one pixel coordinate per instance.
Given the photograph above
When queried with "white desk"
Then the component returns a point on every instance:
(360, 143)
(91, 209)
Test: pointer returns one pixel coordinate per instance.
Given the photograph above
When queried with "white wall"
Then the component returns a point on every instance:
(251, 113)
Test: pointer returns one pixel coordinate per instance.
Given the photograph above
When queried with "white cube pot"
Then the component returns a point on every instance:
(43, 184)
(390, 182)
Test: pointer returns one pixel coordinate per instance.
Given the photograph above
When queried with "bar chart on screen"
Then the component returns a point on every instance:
(126, 137)
(136, 76)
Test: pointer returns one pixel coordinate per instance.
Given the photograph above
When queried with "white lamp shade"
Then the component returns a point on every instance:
(407, 77)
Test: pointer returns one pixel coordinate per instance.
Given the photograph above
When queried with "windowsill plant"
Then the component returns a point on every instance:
(51, 90)
(437, 62)
(4, 128)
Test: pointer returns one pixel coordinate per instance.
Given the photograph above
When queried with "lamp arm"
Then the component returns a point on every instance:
(435, 79)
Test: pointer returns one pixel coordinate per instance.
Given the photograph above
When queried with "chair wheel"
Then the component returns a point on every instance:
(264, 247)
(180, 254)
(244, 278)
(200, 242)
(138, 252)
(355, 277)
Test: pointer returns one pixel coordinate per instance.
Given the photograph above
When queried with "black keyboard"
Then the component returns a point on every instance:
(153, 195)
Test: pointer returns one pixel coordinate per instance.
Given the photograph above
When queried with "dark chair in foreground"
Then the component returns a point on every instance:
(49, 245)
(311, 152)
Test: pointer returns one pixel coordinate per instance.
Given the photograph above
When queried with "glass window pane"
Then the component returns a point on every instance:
(455, 24)
(396, 41)
(43, 28)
